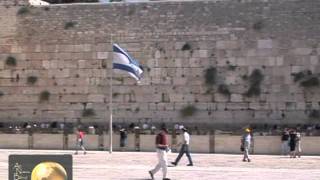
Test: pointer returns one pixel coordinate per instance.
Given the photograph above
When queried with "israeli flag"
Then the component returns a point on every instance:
(123, 61)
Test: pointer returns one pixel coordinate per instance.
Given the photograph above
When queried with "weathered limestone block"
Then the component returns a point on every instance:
(74, 98)
(236, 98)
(220, 97)
(237, 106)
(302, 51)
(102, 55)
(96, 98)
(227, 45)
(265, 44)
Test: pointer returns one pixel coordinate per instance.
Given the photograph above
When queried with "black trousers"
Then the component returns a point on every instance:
(184, 149)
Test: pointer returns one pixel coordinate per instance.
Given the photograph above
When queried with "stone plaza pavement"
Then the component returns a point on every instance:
(98, 165)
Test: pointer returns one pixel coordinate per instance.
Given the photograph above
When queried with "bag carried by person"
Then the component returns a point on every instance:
(241, 148)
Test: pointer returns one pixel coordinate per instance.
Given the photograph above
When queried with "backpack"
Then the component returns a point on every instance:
(159, 138)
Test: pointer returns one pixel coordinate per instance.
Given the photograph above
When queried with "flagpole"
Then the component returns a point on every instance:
(111, 99)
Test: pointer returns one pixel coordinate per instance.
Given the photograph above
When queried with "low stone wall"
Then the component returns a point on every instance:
(14, 141)
(198, 143)
(47, 141)
(227, 144)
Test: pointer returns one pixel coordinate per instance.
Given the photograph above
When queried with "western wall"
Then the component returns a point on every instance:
(209, 63)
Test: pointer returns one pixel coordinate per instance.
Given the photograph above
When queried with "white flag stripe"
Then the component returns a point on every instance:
(123, 61)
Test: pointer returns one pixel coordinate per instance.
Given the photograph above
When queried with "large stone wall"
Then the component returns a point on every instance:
(68, 48)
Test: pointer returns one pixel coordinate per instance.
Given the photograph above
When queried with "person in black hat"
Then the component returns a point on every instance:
(162, 147)
(184, 148)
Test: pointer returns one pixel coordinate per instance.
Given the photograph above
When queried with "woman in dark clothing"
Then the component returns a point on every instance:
(292, 143)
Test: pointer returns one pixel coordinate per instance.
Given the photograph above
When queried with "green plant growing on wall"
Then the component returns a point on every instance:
(186, 47)
(69, 25)
(210, 76)
(232, 67)
(310, 82)
(23, 10)
(120, 79)
(137, 110)
(1, 94)
(115, 95)
(32, 79)
(301, 75)
(88, 112)
(244, 77)
(11, 61)
(188, 111)
(314, 114)
(224, 89)
(306, 79)
(165, 97)
(298, 76)
(258, 25)
(255, 80)
(44, 96)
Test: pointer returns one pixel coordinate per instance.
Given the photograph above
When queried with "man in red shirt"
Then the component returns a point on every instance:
(80, 137)
(162, 147)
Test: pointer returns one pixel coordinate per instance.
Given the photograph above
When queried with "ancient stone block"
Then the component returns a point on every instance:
(265, 44)
(102, 55)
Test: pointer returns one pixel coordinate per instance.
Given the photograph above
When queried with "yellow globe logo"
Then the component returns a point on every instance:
(49, 171)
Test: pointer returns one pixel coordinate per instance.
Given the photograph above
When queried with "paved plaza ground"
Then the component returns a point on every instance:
(98, 165)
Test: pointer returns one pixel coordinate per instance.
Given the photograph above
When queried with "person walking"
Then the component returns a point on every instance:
(245, 144)
(285, 142)
(80, 137)
(162, 147)
(298, 144)
(184, 148)
(292, 143)
(123, 139)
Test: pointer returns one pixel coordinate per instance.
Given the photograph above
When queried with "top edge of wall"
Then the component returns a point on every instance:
(172, 2)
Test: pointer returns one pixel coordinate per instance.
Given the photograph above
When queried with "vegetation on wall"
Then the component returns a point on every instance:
(255, 80)
(23, 10)
(32, 79)
(69, 25)
(88, 112)
(44, 96)
(224, 89)
(301, 75)
(210, 76)
(1, 94)
(189, 110)
(306, 79)
(11, 61)
(116, 94)
(258, 25)
(232, 67)
(186, 47)
(310, 82)
(314, 114)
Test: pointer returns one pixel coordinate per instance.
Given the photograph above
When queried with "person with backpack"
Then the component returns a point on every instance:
(184, 148)
(162, 148)
(80, 137)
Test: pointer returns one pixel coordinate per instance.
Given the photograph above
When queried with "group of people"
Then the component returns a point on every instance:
(162, 148)
(291, 143)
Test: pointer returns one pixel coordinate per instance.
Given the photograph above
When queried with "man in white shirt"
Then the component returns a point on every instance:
(184, 148)
(245, 144)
